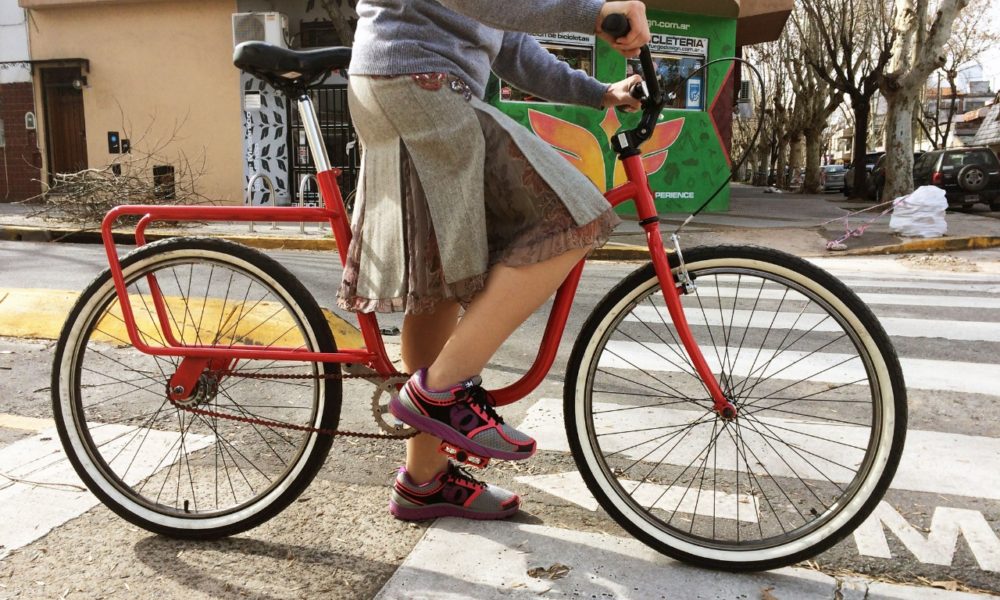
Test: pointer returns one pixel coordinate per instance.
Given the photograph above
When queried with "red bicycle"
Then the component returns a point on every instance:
(734, 407)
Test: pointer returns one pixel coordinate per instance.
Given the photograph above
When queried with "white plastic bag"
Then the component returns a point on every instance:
(921, 214)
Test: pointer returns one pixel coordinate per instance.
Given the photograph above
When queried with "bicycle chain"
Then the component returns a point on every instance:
(292, 426)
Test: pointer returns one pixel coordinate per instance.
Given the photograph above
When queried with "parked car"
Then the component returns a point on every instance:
(967, 175)
(871, 159)
(832, 177)
(876, 181)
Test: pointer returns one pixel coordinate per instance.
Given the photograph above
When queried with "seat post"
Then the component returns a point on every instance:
(310, 123)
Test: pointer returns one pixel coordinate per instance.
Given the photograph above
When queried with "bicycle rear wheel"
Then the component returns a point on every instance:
(163, 467)
(816, 383)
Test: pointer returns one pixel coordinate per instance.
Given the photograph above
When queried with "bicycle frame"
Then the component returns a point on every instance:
(195, 358)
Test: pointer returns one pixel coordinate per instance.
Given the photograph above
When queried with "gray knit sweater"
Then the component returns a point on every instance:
(467, 38)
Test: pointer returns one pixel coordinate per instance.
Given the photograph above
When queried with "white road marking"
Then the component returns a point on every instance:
(939, 545)
(933, 462)
(893, 267)
(751, 292)
(41, 459)
(571, 487)
(973, 331)
(919, 373)
(957, 286)
(599, 566)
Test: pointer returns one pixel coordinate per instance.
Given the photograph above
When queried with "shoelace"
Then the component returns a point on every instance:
(480, 396)
(456, 472)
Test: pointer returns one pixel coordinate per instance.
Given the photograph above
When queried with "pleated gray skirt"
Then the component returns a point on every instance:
(450, 187)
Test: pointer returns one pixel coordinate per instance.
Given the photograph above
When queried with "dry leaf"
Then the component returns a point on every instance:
(765, 594)
(951, 586)
(556, 571)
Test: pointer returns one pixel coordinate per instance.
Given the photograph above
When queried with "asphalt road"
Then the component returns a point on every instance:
(338, 540)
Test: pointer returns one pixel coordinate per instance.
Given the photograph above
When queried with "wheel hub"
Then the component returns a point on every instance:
(205, 391)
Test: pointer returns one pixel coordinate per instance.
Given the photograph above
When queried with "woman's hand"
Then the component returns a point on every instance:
(618, 95)
(638, 34)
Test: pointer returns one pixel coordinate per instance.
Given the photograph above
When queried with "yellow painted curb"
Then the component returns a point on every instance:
(18, 233)
(945, 244)
(40, 314)
(8, 421)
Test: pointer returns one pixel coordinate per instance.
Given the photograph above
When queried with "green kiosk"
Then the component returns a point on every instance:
(688, 157)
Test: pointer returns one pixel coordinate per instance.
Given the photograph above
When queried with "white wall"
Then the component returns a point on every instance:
(13, 42)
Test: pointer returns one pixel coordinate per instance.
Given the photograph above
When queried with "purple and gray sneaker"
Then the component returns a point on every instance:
(451, 493)
(462, 416)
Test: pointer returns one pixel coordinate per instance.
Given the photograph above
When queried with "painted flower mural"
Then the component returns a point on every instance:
(585, 152)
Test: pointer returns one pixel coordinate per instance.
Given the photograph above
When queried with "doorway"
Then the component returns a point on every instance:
(65, 128)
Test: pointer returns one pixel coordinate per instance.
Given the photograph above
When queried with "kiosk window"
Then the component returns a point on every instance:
(577, 57)
(671, 71)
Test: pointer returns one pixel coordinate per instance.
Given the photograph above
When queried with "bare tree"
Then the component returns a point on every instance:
(972, 35)
(917, 52)
(773, 115)
(84, 197)
(854, 40)
(815, 98)
(342, 15)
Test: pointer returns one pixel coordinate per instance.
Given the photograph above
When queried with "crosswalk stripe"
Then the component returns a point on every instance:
(570, 486)
(751, 292)
(974, 331)
(41, 482)
(598, 565)
(880, 267)
(919, 373)
(959, 286)
(933, 462)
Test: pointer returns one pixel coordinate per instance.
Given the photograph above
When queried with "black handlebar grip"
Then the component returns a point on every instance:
(616, 25)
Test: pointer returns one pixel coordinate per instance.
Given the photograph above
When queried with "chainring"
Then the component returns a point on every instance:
(385, 391)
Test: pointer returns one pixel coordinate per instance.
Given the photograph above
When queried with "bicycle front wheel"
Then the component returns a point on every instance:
(816, 383)
(158, 464)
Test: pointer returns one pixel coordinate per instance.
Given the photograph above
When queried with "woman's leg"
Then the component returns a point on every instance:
(510, 296)
(423, 336)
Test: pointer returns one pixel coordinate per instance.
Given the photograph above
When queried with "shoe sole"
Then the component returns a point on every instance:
(452, 436)
(425, 513)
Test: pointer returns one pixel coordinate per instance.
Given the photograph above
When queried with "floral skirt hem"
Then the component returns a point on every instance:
(593, 235)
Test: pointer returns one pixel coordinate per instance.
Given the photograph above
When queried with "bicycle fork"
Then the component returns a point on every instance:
(650, 222)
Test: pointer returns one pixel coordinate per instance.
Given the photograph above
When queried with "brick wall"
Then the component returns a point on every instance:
(20, 161)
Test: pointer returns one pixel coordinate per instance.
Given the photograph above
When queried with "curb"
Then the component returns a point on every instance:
(610, 252)
(20, 233)
(946, 244)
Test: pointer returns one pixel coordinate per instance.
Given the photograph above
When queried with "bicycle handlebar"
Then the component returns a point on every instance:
(617, 25)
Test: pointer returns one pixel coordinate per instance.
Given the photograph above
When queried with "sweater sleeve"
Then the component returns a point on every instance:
(523, 62)
(532, 16)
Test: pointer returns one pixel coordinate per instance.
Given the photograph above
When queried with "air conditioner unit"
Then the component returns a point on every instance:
(270, 27)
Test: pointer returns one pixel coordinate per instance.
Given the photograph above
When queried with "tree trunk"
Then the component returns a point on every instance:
(917, 52)
(899, 146)
(862, 114)
(781, 178)
(814, 156)
(795, 163)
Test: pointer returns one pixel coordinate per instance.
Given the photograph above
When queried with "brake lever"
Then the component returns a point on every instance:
(640, 91)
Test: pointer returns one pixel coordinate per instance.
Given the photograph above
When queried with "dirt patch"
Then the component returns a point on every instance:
(945, 262)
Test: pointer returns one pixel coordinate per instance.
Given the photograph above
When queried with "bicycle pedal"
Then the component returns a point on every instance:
(463, 456)
(358, 369)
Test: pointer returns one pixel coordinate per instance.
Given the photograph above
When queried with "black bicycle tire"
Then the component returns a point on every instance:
(325, 342)
(640, 277)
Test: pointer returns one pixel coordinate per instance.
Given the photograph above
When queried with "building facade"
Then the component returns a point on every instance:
(117, 80)
(20, 159)
(154, 75)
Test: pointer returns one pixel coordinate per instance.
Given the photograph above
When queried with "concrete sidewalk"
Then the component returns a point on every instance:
(796, 223)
